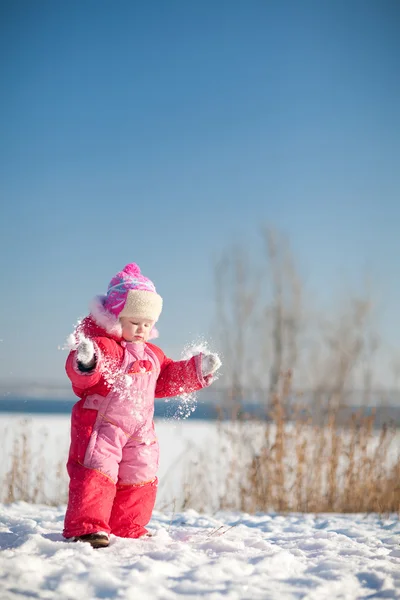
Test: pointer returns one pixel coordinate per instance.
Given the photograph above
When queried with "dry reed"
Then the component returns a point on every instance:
(288, 463)
(28, 476)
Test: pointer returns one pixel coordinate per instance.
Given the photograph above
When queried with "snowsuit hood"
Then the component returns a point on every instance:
(101, 323)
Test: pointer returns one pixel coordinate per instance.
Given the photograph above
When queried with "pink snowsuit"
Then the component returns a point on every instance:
(114, 453)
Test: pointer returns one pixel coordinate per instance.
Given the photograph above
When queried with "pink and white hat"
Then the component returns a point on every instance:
(130, 294)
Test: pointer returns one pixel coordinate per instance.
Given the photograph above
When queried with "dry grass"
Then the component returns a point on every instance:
(281, 464)
(300, 458)
(296, 465)
(28, 476)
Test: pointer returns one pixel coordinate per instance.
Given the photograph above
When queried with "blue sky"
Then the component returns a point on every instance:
(160, 132)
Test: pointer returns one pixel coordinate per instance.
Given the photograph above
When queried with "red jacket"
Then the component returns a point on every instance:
(176, 377)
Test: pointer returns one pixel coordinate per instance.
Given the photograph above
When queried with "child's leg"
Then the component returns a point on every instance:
(95, 450)
(132, 509)
(136, 489)
(91, 495)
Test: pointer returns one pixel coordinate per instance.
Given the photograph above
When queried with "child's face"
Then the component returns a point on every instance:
(136, 330)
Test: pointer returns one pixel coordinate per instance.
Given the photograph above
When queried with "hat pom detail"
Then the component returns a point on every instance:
(132, 269)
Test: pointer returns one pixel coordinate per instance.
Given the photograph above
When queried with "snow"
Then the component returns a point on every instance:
(231, 556)
(227, 555)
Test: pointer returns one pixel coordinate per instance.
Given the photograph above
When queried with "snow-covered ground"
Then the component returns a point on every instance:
(231, 556)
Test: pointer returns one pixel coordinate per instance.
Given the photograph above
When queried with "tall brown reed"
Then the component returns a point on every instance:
(298, 465)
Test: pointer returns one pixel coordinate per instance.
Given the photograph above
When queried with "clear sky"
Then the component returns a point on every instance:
(161, 131)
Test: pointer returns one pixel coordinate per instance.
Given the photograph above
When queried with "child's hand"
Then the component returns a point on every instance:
(85, 353)
(210, 363)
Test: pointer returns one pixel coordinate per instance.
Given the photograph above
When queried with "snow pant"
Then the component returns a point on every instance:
(119, 500)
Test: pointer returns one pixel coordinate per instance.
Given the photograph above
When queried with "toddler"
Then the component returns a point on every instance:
(117, 373)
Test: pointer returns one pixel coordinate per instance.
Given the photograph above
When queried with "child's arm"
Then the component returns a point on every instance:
(184, 376)
(84, 371)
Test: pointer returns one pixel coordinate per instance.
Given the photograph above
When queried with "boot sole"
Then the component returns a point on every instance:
(94, 543)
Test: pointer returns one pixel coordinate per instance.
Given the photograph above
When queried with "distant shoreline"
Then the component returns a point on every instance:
(194, 409)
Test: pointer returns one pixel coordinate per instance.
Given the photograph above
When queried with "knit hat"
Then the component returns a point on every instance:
(130, 294)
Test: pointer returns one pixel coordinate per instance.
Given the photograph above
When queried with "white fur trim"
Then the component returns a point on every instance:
(153, 334)
(142, 305)
(103, 318)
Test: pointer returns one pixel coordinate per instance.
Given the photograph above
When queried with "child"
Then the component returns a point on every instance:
(117, 373)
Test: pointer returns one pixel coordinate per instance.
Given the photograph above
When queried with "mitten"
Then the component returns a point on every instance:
(210, 363)
(85, 355)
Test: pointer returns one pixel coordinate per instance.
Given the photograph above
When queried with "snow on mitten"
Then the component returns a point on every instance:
(85, 355)
(210, 363)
